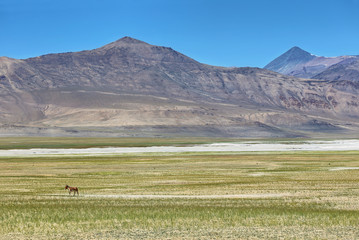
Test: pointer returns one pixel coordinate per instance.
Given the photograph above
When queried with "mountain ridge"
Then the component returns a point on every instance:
(300, 63)
(131, 84)
(347, 69)
(289, 59)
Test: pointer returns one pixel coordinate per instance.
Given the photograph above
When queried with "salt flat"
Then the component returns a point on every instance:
(250, 146)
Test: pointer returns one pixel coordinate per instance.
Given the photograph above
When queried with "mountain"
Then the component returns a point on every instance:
(299, 63)
(345, 70)
(132, 88)
(288, 61)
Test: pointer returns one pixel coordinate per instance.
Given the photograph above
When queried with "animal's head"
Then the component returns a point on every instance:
(66, 187)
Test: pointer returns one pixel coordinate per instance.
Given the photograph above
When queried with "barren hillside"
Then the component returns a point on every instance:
(131, 88)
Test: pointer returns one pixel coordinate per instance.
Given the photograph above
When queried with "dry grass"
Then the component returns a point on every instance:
(316, 203)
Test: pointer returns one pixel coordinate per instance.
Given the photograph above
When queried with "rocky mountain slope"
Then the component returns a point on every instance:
(299, 63)
(288, 63)
(345, 70)
(131, 88)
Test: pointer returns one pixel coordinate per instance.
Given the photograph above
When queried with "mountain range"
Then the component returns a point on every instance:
(299, 63)
(132, 88)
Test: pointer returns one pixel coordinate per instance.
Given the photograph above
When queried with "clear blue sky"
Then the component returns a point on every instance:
(217, 32)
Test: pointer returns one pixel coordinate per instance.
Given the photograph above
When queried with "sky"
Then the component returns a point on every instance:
(216, 32)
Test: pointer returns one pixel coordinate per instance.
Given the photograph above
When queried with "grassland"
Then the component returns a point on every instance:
(303, 195)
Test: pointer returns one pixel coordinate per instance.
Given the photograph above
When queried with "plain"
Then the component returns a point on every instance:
(292, 195)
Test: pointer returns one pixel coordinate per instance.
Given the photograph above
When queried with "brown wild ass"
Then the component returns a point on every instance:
(72, 189)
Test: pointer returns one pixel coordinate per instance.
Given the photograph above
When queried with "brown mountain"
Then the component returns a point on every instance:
(131, 88)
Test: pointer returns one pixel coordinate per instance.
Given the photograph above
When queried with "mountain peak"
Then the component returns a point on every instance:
(299, 63)
(298, 51)
(296, 48)
(292, 57)
(128, 40)
(296, 54)
(125, 41)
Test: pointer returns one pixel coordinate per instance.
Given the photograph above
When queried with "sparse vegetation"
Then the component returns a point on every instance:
(243, 196)
(81, 142)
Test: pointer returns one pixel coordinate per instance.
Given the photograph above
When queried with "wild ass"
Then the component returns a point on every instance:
(72, 189)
